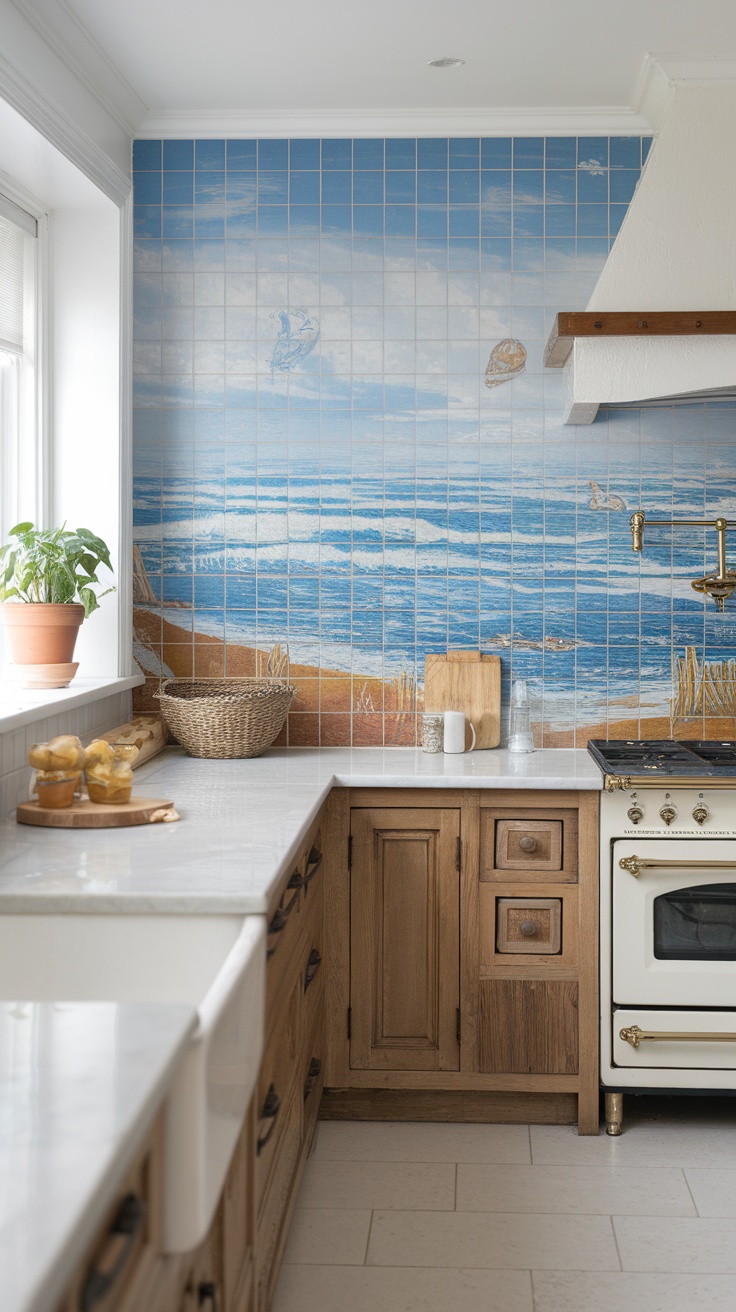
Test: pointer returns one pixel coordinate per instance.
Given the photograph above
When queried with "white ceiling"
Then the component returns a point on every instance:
(237, 57)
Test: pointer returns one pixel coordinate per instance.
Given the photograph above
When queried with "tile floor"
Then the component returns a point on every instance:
(511, 1218)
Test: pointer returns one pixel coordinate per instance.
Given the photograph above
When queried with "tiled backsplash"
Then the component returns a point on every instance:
(348, 454)
(85, 721)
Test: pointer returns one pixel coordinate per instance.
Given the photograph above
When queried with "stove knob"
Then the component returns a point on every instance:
(700, 813)
(635, 814)
(668, 813)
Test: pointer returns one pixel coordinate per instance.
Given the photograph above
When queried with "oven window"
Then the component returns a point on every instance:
(696, 924)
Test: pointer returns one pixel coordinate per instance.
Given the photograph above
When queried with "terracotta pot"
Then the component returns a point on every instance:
(42, 633)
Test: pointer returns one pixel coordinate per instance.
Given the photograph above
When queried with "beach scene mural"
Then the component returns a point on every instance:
(347, 453)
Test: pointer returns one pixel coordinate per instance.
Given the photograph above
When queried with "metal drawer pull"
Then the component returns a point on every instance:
(315, 1066)
(313, 965)
(528, 927)
(528, 843)
(314, 860)
(269, 1112)
(207, 1293)
(634, 864)
(111, 1263)
(635, 1036)
(281, 916)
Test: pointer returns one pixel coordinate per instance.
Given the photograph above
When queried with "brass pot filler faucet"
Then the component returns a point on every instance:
(718, 585)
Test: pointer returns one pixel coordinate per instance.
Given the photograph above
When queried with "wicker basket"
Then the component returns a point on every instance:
(220, 718)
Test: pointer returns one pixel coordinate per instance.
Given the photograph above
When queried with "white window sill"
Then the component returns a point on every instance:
(21, 706)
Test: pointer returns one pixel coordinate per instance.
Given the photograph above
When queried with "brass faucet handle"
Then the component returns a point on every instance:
(637, 530)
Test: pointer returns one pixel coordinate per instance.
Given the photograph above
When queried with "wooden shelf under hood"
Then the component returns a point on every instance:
(632, 323)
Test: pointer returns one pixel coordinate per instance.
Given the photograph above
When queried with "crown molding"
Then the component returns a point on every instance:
(701, 68)
(43, 114)
(614, 120)
(653, 91)
(61, 29)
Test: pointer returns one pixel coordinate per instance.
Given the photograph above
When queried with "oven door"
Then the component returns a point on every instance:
(674, 922)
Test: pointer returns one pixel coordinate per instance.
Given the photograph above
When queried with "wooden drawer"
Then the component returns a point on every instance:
(297, 916)
(313, 1073)
(124, 1256)
(284, 932)
(275, 1205)
(504, 908)
(529, 924)
(313, 970)
(275, 1087)
(236, 1219)
(540, 844)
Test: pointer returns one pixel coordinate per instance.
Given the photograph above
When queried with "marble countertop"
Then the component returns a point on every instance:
(241, 828)
(80, 1084)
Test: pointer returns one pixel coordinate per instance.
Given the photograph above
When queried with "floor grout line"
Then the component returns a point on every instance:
(368, 1238)
(615, 1240)
(687, 1186)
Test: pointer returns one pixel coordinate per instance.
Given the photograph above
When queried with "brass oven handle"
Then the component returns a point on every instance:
(635, 1036)
(635, 864)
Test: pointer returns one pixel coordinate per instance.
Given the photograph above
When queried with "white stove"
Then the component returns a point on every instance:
(668, 918)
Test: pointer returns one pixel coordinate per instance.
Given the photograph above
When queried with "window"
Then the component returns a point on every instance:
(19, 430)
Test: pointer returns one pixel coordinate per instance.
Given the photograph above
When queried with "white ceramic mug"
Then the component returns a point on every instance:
(455, 732)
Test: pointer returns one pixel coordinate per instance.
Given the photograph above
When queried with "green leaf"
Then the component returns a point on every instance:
(21, 528)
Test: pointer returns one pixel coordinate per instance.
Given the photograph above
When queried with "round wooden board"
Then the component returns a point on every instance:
(95, 815)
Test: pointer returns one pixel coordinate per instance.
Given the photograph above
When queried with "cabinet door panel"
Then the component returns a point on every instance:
(529, 1026)
(404, 939)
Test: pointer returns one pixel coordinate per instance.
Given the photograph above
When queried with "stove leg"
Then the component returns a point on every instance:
(614, 1112)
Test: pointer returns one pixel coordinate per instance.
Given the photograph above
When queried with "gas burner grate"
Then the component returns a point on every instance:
(664, 757)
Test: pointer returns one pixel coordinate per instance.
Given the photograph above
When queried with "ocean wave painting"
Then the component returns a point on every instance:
(348, 453)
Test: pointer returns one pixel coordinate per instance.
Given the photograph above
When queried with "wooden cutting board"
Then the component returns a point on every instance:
(470, 682)
(97, 815)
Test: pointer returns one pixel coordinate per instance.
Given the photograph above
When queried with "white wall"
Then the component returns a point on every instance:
(85, 487)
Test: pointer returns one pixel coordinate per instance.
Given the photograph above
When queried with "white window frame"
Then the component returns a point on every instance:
(28, 494)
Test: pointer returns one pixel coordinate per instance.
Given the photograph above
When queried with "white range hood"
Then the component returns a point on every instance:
(676, 251)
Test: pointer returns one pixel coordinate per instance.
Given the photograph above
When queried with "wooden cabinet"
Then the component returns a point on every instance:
(461, 932)
(292, 1071)
(404, 938)
(433, 956)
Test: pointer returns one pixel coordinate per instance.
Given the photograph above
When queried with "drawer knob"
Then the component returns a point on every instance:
(528, 928)
(528, 843)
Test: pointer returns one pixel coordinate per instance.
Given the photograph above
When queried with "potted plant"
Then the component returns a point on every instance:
(47, 579)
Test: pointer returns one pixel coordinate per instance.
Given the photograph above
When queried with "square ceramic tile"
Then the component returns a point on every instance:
(667, 1142)
(393, 1289)
(319, 237)
(321, 1234)
(389, 1141)
(590, 1190)
(623, 1291)
(469, 1239)
(419, 1186)
(656, 1244)
(714, 1191)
